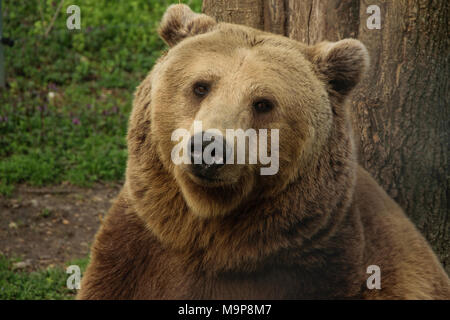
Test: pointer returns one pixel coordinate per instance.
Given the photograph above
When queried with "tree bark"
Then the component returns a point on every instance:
(400, 110)
(249, 12)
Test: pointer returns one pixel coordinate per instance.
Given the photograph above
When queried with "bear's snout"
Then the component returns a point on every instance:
(208, 153)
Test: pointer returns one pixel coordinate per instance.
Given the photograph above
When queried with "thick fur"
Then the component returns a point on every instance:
(308, 232)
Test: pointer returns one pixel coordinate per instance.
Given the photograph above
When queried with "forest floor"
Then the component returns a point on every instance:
(47, 226)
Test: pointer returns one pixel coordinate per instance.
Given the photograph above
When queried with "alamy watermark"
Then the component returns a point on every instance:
(74, 20)
(374, 21)
(220, 149)
(74, 280)
(374, 281)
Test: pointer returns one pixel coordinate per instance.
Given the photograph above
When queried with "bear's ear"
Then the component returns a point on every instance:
(341, 63)
(180, 22)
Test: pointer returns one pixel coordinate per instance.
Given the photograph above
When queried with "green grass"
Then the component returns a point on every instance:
(49, 284)
(65, 113)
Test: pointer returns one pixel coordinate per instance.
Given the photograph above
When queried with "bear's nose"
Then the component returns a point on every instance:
(208, 152)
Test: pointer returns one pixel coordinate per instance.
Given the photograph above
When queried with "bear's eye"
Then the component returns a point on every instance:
(201, 89)
(262, 105)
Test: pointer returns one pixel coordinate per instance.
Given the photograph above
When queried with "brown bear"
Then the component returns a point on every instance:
(316, 229)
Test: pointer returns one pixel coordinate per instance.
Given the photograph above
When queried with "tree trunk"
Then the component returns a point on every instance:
(400, 110)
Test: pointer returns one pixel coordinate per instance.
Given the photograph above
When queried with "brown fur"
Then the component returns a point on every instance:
(309, 231)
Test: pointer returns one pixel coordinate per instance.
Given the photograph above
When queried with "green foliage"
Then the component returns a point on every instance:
(46, 284)
(65, 114)
(116, 46)
(72, 140)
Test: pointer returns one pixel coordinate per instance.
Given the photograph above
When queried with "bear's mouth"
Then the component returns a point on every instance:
(207, 181)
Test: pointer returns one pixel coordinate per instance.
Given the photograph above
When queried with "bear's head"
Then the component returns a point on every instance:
(282, 100)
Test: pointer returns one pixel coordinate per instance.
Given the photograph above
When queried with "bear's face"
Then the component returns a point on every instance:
(222, 78)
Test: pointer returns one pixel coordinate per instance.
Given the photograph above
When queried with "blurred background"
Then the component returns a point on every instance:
(63, 120)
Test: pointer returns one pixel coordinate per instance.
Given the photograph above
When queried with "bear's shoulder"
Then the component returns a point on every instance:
(128, 261)
(395, 245)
